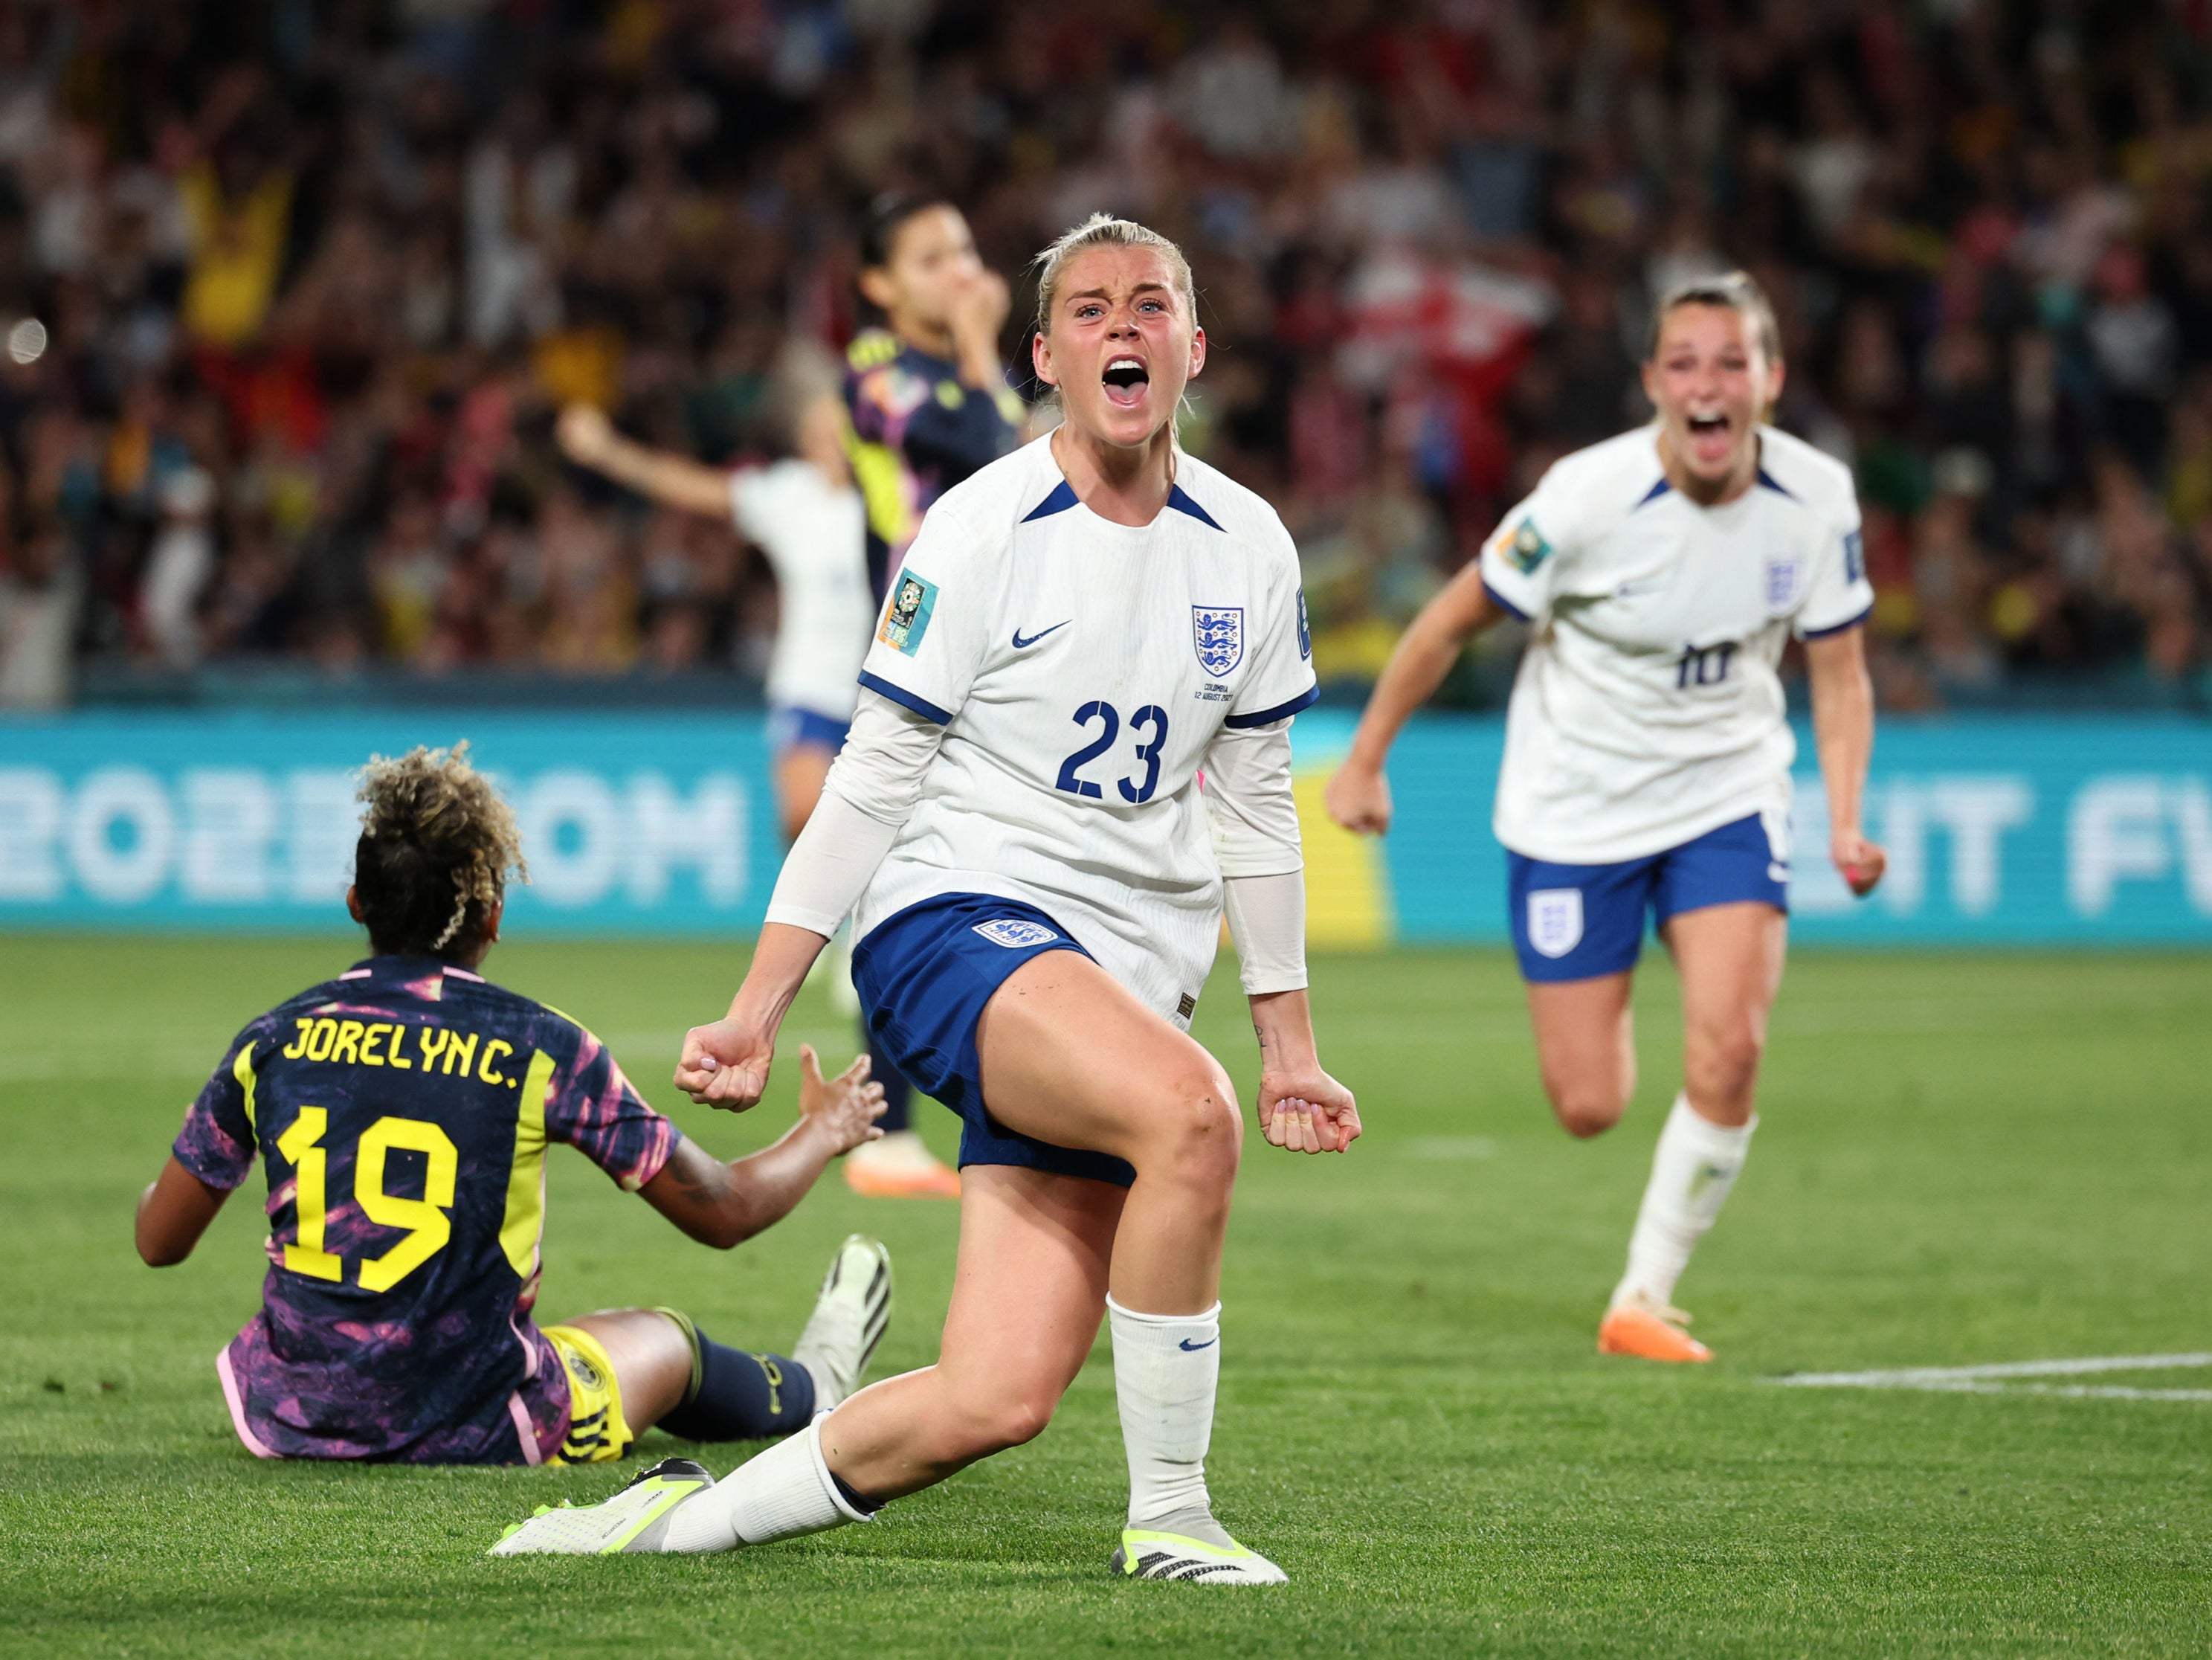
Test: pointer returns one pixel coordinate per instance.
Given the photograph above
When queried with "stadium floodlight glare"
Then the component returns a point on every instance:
(27, 341)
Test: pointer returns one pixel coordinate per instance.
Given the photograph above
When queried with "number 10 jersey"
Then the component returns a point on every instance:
(1081, 669)
(1649, 706)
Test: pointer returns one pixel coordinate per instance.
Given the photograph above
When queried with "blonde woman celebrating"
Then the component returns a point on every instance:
(1081, 629)
(1647, 757)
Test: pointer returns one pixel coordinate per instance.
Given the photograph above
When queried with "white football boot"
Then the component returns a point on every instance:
(634, 1521)
(1191, 1545)
(850, 1317)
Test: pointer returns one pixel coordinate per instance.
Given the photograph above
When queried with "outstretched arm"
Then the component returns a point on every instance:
(1843, 731)
(588, 439)
(723, 1204)
(1358, 796)
(173, 1211)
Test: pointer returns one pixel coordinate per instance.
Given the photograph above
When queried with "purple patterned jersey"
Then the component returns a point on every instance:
(917, 430)
(402, 1113)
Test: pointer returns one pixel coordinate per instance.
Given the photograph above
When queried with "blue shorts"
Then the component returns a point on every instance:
(790, 728)
(924, 975)
(1577, 922)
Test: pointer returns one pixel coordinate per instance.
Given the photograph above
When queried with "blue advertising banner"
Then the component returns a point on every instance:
(2019, 831)
(659, 823)
(1999, 830)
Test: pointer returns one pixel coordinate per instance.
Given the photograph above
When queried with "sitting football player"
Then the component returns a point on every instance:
(402, 1112)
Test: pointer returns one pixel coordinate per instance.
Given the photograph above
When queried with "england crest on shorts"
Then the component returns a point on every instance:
(1555, 921)
(1013, 933)
(1218, 631)
(1785, 582)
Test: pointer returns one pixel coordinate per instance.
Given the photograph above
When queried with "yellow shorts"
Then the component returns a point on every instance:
(597, 1431)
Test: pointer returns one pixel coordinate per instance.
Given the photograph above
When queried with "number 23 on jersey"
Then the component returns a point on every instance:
(1136, 788)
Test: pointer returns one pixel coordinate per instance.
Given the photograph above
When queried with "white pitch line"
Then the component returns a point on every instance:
(2110, 1392)
(1926, 1377)
(1984, 1379)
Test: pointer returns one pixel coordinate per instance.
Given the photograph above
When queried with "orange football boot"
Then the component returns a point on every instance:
(1650, 1331)
(899, 1167)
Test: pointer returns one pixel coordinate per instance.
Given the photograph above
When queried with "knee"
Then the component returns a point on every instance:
(1585, 1109)
(1724, 1061)
(1005, 1417)
(1201, 1133)
(1589, 1100)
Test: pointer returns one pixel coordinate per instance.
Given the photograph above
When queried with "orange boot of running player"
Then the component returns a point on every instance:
(899, 1166)
(1649, 1331)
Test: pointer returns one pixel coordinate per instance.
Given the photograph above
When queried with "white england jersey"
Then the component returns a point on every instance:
(1081, 669)
(1648, 709)
(815, 535)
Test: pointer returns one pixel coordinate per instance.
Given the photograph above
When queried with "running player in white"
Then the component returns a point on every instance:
(1081, 629)
(1647, 758)
(806, 515)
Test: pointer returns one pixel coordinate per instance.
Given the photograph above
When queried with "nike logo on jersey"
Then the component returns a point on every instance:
(1195, 1347)
(1021, 644)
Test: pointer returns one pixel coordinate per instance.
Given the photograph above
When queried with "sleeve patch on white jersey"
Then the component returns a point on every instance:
(1528, 549)
(1305, 630)
(1854, 556)
(906, 619)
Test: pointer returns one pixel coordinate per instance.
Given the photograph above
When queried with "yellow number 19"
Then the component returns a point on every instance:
(309, 1166)
(429, 1229)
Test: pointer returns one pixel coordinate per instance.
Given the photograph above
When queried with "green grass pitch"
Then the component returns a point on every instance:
(1964, 1160)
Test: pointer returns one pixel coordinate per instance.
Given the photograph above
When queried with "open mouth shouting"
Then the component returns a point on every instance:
(1711, 435)
(1125, 379)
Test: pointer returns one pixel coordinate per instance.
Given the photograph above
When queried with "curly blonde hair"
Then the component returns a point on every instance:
(437, 845)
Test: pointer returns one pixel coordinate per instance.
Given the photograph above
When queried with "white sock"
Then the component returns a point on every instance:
(1693, 1169)
(1166, 1369)
(781, 1493)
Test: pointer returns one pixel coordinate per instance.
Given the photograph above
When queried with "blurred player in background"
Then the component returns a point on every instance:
(804, 513)
(1647, 751)
(927, 394)
(402, 1113)
(928, 404)
(1040, 883)
(805, 517)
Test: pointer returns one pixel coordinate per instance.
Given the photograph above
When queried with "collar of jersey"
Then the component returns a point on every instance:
(404, 966)
(1063, 497)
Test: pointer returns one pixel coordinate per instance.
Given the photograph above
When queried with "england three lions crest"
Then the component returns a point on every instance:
(1218, 631)
(1786, 583)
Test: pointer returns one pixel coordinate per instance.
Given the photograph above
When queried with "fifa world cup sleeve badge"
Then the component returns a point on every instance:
(1528, 549)
(906, 617)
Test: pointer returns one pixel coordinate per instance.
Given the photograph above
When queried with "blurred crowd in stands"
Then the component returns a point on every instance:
(291, 289)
